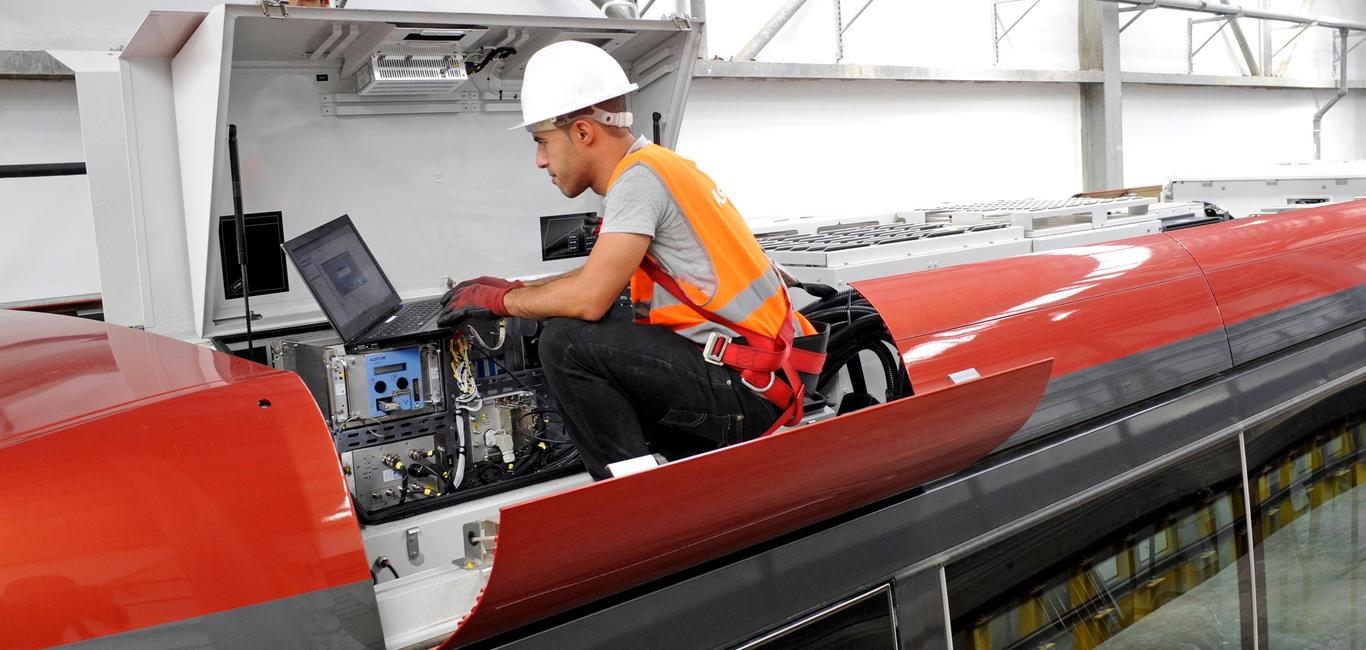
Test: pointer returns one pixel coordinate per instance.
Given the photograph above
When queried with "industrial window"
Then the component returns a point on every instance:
(865, 622)
(1188, 554)
(1179, 576)
(1308, 505)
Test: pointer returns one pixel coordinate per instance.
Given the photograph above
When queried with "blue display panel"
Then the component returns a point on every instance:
(394, 380)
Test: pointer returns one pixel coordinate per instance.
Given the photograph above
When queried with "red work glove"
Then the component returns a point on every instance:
(474, 301)
(488, 280)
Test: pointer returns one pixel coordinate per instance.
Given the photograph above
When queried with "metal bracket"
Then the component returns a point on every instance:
(853, 20)
(337, 375)
(996, 34)
(282, 5)
(414, 547)
(681, 22)
(1224, 21)
(1337, 56)
(1140, 11)
(460, 101)
(1285, 64)
(839, 33)
(656, 73)
(481, 540)
(614, 39)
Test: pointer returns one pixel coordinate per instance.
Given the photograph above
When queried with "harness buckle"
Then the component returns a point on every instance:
(715, 348)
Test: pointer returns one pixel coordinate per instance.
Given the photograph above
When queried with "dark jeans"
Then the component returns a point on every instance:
(629, 390)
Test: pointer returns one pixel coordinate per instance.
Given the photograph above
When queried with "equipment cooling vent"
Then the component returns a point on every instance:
(409, 74)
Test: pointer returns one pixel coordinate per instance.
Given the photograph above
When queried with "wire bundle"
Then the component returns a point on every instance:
(462, 371)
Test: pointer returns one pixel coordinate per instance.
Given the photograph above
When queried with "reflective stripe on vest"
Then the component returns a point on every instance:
(748, 290)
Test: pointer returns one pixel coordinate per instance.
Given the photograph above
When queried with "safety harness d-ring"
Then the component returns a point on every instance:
(772, 377)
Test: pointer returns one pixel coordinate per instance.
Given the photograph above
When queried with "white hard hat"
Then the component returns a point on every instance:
(567, 76)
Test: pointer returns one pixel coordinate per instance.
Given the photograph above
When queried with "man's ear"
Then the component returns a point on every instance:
(581, 132)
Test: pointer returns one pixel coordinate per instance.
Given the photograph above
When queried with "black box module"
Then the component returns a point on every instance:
(566, 236)
(265, 259)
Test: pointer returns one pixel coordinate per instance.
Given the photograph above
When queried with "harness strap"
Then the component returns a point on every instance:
(759, 362)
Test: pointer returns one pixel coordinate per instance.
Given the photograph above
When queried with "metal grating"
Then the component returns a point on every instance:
(1038, 215)
(865, 236)
(1036, 205)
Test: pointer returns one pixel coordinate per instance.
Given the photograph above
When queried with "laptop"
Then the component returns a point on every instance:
(353, 292)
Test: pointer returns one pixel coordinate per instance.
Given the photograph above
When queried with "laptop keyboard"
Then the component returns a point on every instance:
(412, 316)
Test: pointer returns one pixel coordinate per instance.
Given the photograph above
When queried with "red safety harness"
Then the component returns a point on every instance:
(760, 360)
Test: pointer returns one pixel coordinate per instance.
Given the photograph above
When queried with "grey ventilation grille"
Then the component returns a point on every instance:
(411, 74)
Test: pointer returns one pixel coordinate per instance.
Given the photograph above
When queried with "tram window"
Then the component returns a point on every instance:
(1180, 576)
(1308, 502)
(864, 622)
(1172, 583)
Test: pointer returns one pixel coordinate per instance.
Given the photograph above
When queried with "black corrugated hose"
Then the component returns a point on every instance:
(855, 326)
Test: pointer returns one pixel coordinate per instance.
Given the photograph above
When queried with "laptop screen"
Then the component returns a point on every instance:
(343, 276)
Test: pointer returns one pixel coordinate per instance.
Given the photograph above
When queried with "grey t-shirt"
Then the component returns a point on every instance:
(640, 203)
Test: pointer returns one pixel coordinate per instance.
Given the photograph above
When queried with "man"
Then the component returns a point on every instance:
(710, 359)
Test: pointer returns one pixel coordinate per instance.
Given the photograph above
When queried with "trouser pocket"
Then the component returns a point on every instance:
(722, 429)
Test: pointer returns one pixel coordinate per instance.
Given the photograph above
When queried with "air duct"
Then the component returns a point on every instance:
(624, 9)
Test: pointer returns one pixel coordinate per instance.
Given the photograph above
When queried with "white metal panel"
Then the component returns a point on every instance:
(1307, 170)
(1275, 187)
(1085, 237)
(577, 8)
(666, 94)
(428, 603)
(197, 72)
(104, 24)
(162, 34)
(103, 130)
(158, 206)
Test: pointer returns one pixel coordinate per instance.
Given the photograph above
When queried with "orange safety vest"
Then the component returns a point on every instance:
(749, 300)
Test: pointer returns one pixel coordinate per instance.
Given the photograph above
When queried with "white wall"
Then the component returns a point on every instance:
(794, 148)
(47, 249)
(1170, 130)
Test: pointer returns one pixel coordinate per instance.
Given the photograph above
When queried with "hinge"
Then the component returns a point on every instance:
(283, 6)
